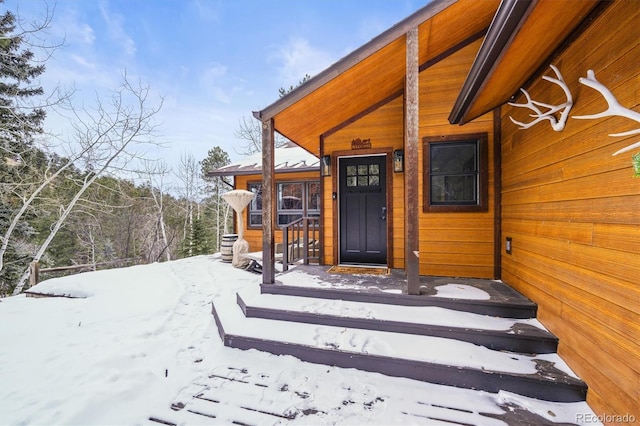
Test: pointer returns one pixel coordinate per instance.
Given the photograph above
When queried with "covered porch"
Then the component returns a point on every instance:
(373, 115)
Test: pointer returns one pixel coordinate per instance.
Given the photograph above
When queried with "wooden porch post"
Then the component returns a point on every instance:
(411, 109)
(268, 203)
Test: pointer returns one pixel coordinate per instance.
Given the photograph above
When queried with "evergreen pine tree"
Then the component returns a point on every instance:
(20, 122)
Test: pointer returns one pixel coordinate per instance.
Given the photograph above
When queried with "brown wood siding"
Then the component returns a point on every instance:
(254, 235)
(573, 213)
(454, 244)
(384, 126)
(363, 82)
(380, 72)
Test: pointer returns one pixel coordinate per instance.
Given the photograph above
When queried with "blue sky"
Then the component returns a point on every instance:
(213, 61)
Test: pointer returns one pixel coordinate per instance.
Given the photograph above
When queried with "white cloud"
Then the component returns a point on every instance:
(298, 58)
(73, 31)
(216, 82)
(82, 61)
(216, 71)
(207, 10)
(115, 25)
(86, 34)
(371, 27)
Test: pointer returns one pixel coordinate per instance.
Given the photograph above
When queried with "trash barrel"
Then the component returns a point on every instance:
(226, 247)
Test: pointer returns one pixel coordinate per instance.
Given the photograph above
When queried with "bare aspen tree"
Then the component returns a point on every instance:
(190, 192)
(154, 173)
(112, 136)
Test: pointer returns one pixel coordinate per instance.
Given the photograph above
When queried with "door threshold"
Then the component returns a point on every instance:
(362, 265)
(359, 269)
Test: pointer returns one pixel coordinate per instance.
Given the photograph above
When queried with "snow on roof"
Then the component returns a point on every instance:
(288, 158)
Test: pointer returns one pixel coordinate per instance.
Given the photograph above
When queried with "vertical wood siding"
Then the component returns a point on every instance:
(453, 244)
(573, 212)
(384, 126)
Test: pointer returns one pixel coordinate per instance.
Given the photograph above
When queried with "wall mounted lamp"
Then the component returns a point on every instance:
(325, 165)
(398, 160)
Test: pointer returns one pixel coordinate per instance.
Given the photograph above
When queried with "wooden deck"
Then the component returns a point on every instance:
(306, 298)
(315, 281)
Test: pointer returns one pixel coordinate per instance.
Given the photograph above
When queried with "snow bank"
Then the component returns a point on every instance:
(137, 339)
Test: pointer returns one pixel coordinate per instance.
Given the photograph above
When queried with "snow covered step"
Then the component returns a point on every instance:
(430, 359)
(516, 335)
(509, 305)
(248, 394)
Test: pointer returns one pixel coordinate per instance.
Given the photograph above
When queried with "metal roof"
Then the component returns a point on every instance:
(288, 159)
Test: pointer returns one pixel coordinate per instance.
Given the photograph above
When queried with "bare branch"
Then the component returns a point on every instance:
(106, 134)
(251, 132)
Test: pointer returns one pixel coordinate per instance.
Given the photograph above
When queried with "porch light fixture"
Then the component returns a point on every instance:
(325, 165)
(398, 160)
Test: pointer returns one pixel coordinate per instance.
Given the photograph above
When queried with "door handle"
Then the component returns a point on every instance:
(384, 214)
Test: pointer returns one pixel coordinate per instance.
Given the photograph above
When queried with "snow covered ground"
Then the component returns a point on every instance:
(142, 338)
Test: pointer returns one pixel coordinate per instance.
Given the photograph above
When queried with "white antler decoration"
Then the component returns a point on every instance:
(615, 109)
(565, 107)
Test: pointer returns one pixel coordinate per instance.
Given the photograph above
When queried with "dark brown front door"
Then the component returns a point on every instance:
(363, 210)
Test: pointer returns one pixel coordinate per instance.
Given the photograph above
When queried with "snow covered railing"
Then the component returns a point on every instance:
(35, 270)
(301, 241)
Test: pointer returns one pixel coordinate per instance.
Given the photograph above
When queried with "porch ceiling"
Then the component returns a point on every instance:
(542, 31)
(374, 72)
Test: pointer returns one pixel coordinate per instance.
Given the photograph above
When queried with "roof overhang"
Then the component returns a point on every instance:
(376, 71)
(522, 37)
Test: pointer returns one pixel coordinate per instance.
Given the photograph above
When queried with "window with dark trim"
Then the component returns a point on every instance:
(294, 200)
(255, 207)
(455, 173)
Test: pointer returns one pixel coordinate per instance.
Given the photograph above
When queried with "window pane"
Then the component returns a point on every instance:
(284, 219)
(351, 170)
(363, 180)
(290, 196)
(374, 180)
(453, 158)
(362, 169)
(255, 219)
(256, 203)
(352, 181)
(313, 196)
(456, 170)
(460, 189)
(374, 169)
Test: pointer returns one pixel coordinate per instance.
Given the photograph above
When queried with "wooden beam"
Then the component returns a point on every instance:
(497, 193)
(268, 203)
(411, 130)
(505, 25)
